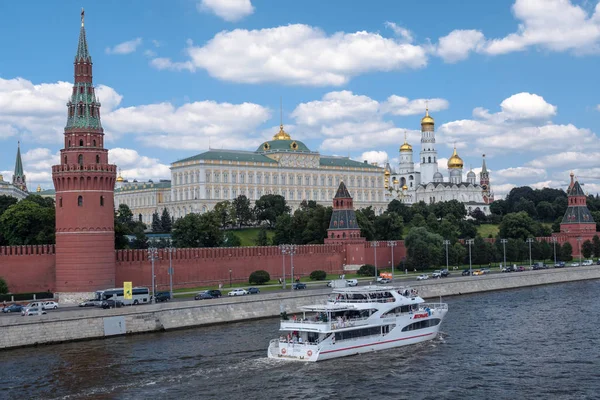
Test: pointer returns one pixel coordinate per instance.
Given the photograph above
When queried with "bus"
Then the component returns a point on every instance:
(140, 295)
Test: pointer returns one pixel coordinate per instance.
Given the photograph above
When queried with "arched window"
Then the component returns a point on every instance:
(80, 142)
(65, 159)
(102, 201)
(69, 143)
(80, 201)
(429, 159)
(60, 201)
(423, 160)
(94, 142)
(97, 159)
(80, 159)
(140, 217)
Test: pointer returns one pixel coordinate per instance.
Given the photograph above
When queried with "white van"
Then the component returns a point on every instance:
(587, 262)
(352, 282)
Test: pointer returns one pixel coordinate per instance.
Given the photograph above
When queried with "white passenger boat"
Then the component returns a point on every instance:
(357, 320)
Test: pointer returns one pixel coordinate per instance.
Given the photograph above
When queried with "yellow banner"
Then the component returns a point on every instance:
(127, 293)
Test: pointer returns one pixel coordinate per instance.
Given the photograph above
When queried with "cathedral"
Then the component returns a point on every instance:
(411, 185)
(18, 187)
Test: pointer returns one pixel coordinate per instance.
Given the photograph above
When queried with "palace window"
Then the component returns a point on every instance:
(80, 142)
(80, 201)
(322, 181)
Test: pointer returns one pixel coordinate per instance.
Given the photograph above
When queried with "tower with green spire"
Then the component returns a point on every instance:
(19, 176)
(84, 183)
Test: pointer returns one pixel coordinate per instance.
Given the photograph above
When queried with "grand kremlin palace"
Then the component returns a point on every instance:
(289, 168)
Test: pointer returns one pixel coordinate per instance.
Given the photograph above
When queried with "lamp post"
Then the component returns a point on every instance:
(153, 255)
(579, 247)
(392, 244)
(530, 240)
(504, 241)
(292, 250)
(554, 243)
(282, 248)
(446, 243)
(229, 277)
(375, 244)
(470, 242)
(170, 250)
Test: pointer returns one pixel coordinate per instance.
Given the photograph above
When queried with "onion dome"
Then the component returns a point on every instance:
(281, 135)
(455, 162)
(405, 146)
(471, 174)
(120, 178)
(427, 120)
(396, 181)
(404, 187)
(39, 189)
(438, 177)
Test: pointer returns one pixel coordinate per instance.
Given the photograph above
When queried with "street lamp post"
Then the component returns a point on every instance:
(579, 246)
(554, 243)
(392, 244)
(375, 244)
(282, 248)
(470, 242)
(530, 240)
(292, 250)
(170, 250)
(153, 255)
(446, 243)
(229, 277)
(504, 241)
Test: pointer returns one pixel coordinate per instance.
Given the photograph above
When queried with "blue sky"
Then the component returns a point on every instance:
(516, 80)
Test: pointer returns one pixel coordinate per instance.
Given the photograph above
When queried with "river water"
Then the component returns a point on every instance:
(528, 343)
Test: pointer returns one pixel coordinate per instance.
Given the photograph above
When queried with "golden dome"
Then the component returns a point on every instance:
(404, 187)
(455, 162)
(427, 120)
(395, 181)
(39, 189)
(387, 172)
(405, 146)
(120, 178)
(282, 135)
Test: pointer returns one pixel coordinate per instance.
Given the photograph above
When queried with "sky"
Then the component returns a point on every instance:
(516, 80)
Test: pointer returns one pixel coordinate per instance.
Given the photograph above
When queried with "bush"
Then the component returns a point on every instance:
(27, 296)
(318, 275)
(3, 286)
(259, 277)
(367, 270)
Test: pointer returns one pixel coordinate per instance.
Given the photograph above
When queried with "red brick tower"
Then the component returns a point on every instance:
(343, 227)
(84, 183)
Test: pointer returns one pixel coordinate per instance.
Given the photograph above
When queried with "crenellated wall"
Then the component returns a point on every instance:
(28, 268)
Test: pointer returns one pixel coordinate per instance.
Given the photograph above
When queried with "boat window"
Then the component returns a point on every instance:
(422, 324)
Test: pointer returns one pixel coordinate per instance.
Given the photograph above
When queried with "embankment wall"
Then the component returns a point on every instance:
(17, 331)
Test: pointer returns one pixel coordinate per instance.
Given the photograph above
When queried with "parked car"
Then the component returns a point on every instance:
(111, 304)
(445, 273)
(587, 262)
(237, 292)
(88, 303)
(520, 268)
(437, 274)
(162, 296)
(477, 272)
(560, 264)
(299, 285)
(485, 271)
(574, 264)
(204, 296)
(215, 293)
(12, 308)
(253, 290)
(508, 269)
(352, 282)
(45, 305)
(32, 311)
(466, 272)
(422, 277)
(384, 280)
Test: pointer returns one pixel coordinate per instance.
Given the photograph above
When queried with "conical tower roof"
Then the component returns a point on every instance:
(18, 162)
(82, 47)
(342, 192)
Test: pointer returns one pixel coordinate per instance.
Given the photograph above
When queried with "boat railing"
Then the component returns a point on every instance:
(301, 324)
(433, 306)
(349, 323)
(375, 300)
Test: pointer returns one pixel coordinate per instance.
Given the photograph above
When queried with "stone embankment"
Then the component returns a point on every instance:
(82, 324)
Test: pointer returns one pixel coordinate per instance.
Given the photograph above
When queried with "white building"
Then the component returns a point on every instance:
(428, 184)
(280, 166)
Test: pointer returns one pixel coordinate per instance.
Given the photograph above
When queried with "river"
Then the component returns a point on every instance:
(528, 343)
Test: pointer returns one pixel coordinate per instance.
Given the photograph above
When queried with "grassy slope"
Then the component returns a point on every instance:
(248, 236)
(486, 229)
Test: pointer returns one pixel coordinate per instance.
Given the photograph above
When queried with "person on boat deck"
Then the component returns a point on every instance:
(300, 339)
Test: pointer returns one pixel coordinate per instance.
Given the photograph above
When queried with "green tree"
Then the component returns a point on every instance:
(456, 254)
(596, 244)
(197, 230)
(499, 207)
(156, 225)
(566, 252)
(448, 230)
(259, 277)
(366, 220)
(587, 249)
(28, 223)
(546, 251)
(284, 233)
(124, 215)
(230, 239)
(262, 238)
(545, 211)
(480, 252)
(467, 229)
(418, 221)
(388, 226)
(5, 202)
(42, 201)
(243, 211)
(3, 286)
(223, 211)
(121, 241)
(525, 205)
(424, 249)
(397, 207)
(518, 226)
(166, 222)
(269, 207)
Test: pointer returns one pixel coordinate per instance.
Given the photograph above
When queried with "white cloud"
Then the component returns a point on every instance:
(527, 106)
(297, 55)
(522, 173)
(398, 105)
(229, 10)
(598, 107)
(132, 165)
(126, 47)
(335, 106)
(500, 191)
(401, 32)
(379, 157)
(457, 45)
(150, 53)
(566, 159)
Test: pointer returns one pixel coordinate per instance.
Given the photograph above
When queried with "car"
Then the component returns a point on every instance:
(12, 308)
(352, 282)
(445, 273)
(485, 271)
(45, 305)
(587, 262)
(89, 303)
(422, 277)
(520, 268)
(437, 274)
(32, 311)
(477, 272)
(507, 269)
(237, 292)
(466, 272)
(560, 264)
(253, 290)
(111, 304)
(204, 296)
(215, 293)
(299, 285)
(162, 296)
(574, 264)
(384, 280)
